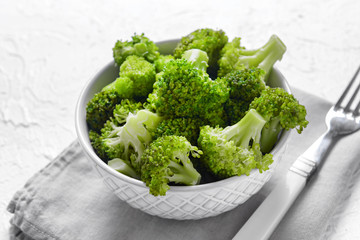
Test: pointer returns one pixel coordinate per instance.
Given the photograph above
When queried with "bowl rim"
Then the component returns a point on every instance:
(83, 138)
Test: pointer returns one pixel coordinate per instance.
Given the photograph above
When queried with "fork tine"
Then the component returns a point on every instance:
(356, 111)
(337, 104)
(348, 106)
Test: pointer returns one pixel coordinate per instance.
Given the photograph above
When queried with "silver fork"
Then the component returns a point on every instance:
(342, 119)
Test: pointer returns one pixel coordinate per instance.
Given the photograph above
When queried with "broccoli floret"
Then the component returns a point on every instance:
(186, 127)
(100, 108)
(123, 167)
(129, 141)
(208, 40)
(245, 85)
(185, 91)
(236, 57)
(167, 160)
(234, 150)
(281, 110)
(140, 46)
(198, 58)
(96, 143)
(118, 118)
(162, 61)
(122, 110)
(136, 79)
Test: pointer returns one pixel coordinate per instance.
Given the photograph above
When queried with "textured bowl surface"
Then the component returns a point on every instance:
(180, 202)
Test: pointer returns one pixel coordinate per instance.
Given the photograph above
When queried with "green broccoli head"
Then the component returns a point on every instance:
(234, 150)
(208, 40)
(184, 91)
(186, 127)
(166, 161)
(100, 108)
(162, 61)
(198, 58)
(136, 79)
(245, 85)
(236, 57)
(235, 110)
(140, 46)
(118, 118)
(128, 142)
(281, 110)
(96, 143)
(122, 110)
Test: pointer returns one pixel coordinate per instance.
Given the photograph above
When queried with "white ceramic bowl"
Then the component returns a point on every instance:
(180, 202)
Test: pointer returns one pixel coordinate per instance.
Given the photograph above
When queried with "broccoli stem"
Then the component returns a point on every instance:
(276, 49)
(269, 135)
(247, 129)
(266, 56)
(184, 174)
(123, 167)
(198, 58)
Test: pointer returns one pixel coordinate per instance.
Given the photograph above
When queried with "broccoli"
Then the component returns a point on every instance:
(185, 91)
(161, 62)
(198, 58)
(245, 85)
(234, 150)
(120, 113)
(100, 108)
(140, 46)
(128, 142)
(281, 110)
(167, 160)
(236, 57)
(186, 127)
(96, 143)
(208, 40)
(136, 79)
(123, 167)
(96, 140)
(123, 109)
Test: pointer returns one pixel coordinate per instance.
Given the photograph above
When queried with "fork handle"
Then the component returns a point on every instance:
(308, 162)
(268, 215)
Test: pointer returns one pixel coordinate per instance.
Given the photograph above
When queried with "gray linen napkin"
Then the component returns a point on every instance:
(67, 200)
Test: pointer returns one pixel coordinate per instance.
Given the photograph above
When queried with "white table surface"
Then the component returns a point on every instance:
(50, 49)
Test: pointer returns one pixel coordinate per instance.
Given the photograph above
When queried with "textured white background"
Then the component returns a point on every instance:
(49, 49)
